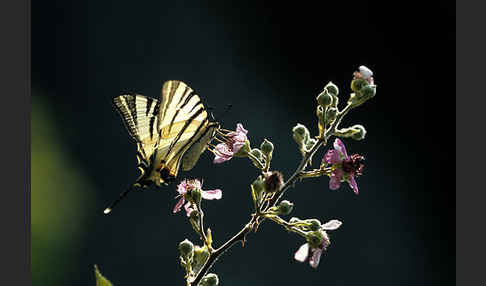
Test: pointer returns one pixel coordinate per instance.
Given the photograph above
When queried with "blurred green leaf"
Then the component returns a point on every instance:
(100, 279)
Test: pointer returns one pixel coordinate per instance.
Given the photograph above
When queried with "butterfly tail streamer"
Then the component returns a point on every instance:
(119, 199)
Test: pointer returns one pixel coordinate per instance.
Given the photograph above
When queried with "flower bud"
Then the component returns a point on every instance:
(285, 207)
(314, 224)
(258, 154)
(310, 143)
(267, 147)
(357, 84)
(273, 181)
(258, 186)
(368, 91)
(186, 249)
(324, 98)
(315, 238)
(360, 132)
(301, 134)
(331, 114)
(332, 89)
(210, 279)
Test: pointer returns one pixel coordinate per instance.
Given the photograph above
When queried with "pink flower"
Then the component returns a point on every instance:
(235, 140)
(303, 251)
(346, 168)
(186, 186)
(364, 73)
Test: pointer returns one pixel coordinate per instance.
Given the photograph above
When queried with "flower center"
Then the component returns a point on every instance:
(354, 165)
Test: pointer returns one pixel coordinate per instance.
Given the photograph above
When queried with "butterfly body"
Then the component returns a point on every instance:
(170, 134)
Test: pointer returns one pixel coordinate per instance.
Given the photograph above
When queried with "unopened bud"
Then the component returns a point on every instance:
(314, 224)
(186, 249)
(301, 134)
(331, 114)
(368, 91)
(258, 155)
(332, 88)
(357, 84)
(210, 279)
(285, 207)
(267, 147)
(273, 181)
(314, 239)
(324, 98)
(258, 186)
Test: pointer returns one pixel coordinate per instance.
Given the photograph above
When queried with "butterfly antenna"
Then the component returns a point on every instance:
(121, 197)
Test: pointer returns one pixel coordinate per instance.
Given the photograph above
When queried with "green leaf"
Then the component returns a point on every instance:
(100, 279)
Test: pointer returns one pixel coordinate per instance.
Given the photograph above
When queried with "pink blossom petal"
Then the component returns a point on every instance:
(188, 208)
(353, 184)
(332, 157)
(179, 204)
(302, 253)
(332, 225)
(218, 159)
(365, 72)
(241, 129)
(212, 194)
(335, 180)
(315, 258)
(339, 145)
(182, 187)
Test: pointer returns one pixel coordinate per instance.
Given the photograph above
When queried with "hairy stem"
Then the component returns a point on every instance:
(241, 235)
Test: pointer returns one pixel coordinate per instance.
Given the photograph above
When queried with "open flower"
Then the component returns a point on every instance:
(186, 186)
(303, 252)
(345, 168)
(364, 73)
(235, 140)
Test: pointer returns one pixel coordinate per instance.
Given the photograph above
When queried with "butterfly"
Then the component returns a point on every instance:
(170, 134)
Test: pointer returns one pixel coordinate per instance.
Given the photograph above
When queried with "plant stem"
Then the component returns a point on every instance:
(240, 236)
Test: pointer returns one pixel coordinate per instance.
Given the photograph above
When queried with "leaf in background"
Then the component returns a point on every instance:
(100, 279)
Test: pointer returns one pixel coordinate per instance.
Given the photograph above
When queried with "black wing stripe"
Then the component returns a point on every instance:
(186, 124)
(149, 105)
(192, 139)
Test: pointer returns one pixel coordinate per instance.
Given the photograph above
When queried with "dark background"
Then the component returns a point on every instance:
(269, 60)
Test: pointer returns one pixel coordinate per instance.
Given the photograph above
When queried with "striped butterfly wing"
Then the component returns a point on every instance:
(140, 115)
(183, 127)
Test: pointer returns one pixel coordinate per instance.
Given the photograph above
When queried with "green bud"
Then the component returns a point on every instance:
(267, 147)
(285, 207)
(360, 132)
(194, 215)
(331, 114)
(324, 98)
(314, 239)
(332, 88)
(258, 186)
(301, 134)
(368, 91)
(357, 84)
(314, 224)
(258, 154)
(210, 279)
(186, 248)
